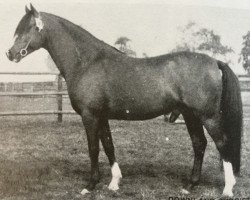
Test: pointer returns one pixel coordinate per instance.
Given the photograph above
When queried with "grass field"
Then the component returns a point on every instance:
(42, 159)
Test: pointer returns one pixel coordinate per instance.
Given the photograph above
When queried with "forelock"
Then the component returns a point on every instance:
(23, 24)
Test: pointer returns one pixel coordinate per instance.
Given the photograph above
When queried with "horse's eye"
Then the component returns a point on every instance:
(37, 29)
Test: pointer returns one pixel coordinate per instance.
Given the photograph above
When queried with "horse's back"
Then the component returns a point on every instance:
(158, 85)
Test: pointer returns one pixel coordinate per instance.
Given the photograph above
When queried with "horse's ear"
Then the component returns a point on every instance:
(34, 11)
(27, 10)
(38, 20)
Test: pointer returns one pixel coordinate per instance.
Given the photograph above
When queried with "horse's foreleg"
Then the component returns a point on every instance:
(199, 143)
(106, 139)
(91, 125)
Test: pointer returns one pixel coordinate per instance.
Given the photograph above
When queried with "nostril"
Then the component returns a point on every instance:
(8, 54)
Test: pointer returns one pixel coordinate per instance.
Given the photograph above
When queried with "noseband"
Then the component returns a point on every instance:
(23, 52)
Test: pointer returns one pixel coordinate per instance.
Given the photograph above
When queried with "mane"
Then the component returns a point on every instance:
(23, 24)
(79, 34)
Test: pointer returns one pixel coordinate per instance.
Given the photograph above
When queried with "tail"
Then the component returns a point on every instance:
(231, 107)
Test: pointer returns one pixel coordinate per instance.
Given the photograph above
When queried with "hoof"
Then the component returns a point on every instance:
(184, 191)
(227, 193)
(113, 186)
(224, 197)
(84, 191)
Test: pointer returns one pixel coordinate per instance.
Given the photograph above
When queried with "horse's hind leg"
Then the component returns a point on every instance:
(213, 127)
(199, 142)
(106, 139)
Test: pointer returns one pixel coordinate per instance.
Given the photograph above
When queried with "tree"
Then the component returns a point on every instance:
(211, 42)
(122, 41)
(187, 41)
(145, 55)
(124, 47)
(198, 39)
(245, 52)
(183, 47)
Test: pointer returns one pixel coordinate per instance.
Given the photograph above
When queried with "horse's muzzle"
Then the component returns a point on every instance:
(9, 55)
(15, 57)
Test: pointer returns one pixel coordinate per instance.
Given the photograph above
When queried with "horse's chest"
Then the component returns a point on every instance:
(86, 95)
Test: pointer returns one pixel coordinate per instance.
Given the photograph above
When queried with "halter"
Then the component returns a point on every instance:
(23, 52)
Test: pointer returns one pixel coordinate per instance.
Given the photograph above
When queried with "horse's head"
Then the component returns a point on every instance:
(29, 35)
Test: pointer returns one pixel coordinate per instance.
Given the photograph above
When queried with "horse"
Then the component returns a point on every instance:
(105, 84)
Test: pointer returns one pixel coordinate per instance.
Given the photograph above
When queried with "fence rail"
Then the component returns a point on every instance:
(32, 93)
(59, 94)
(29, 73)
(36, 113)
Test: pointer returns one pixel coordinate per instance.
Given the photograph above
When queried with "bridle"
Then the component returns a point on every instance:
(23, 52)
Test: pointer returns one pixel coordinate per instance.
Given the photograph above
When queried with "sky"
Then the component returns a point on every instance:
(152, 25)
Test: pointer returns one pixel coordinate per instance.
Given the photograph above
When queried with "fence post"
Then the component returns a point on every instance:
(59, 98)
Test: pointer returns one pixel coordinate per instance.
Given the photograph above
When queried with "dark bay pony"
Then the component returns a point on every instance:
(104, 84)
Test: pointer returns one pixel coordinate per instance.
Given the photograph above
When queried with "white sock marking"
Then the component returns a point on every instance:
(184, 191)
(84, 191)
(229, 179)
(116, 176)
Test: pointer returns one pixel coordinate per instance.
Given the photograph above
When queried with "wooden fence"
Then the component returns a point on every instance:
(60, 92)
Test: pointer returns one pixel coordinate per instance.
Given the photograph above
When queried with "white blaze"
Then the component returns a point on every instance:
(116, 176)
(15, 37)
(229, 179)
(220, 72)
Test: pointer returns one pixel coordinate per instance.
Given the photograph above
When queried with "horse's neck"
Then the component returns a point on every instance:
(63, 54)
(71, 52)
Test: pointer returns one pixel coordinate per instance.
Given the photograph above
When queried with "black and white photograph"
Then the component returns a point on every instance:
(124, 100)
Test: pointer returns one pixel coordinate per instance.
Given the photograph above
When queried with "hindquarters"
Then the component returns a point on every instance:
(224, 121)
(216, 102)
(199, 84)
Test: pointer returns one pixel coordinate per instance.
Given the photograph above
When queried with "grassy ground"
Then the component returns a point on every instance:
(42, 159)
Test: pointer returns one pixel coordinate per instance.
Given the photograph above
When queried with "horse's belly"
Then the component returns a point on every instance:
(141, 109)
(131, 115)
